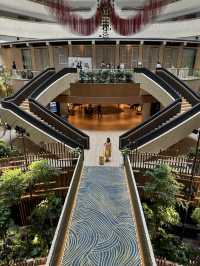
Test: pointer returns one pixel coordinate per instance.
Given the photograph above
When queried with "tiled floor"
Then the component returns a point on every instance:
(102, 230)
(97, 140)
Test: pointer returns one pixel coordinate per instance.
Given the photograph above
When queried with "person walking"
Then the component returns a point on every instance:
(107, 149)
(99, 111)
(158, 65)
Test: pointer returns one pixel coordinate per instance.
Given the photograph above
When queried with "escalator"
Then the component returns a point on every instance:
(172, 124)
(24, 110)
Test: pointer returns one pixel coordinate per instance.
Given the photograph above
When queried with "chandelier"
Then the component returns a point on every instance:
(105, 15)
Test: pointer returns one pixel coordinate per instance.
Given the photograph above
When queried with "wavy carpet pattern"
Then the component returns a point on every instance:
(102, 231)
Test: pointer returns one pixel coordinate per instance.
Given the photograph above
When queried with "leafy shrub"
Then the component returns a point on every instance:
(4, 149)
(196, 215)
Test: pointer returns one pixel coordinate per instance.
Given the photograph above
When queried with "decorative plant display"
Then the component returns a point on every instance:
(5, 84)
(106, 76)
(128, 76)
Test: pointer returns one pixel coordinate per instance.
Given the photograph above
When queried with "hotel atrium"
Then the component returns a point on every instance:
(100, 132)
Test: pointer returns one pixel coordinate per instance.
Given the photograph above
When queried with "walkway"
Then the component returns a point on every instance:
(97, 140)
(102, 229)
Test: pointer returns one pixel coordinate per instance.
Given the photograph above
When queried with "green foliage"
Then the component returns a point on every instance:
(12, 185)
(125, 151)
(34, 240)
(90, 76)
(196, 215)
(171, 248)
(106, 75)
(20, 244)
(161, 213)
(168, 216)
(5, 219)
(163, 187)
(5, 85)
(40, 171)
(44, 216)
(192, 153)
(4, 149)
(128, 76)
(161, 195)
(147, 212)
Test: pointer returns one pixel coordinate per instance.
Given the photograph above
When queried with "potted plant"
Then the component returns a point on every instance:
(105, 75)
(82, 76)
(119, 76)
(112, 77)
(128, 76)
(98, 77)
(23, 74)
(29, 74)
(90, 76)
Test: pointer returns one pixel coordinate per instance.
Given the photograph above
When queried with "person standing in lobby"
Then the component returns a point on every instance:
(14, 68)
(99, 111)
(108, 149)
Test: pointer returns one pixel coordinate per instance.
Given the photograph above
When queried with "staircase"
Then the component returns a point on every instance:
(23, 110)
(25, 106)
(172, 124)
(185, 105)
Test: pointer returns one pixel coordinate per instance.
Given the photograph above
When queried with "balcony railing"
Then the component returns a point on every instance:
(24, 74)
(185, 73)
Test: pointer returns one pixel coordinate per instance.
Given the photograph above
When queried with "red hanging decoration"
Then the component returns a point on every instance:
(106, 11)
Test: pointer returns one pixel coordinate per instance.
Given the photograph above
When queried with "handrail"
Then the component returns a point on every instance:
(39, 124)
(154, 121)
(143, 234)
(159, 81)
(27, 86)
(180, 86)
(22, 96)
(50, 80)
(59, 124)
(53, 256)
(165, 127)
(61, 130)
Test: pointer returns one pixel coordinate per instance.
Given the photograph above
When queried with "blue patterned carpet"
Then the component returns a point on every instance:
(102, 231)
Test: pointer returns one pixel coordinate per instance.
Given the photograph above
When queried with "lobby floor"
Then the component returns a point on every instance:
(110, 121)
(97, 140)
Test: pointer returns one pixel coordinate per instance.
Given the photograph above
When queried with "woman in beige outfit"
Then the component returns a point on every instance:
(108, 148)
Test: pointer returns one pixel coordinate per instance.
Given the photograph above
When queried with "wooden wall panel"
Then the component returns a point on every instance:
(170, 57)
(105, 53)
(129, 55)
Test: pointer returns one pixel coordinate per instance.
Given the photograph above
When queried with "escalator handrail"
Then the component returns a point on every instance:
(166, 127)
(152, 118)
(55, 116)
(39, 124)
(50, 80)
(28, 85)
(59, 121)
(159, 81)
(192, 95)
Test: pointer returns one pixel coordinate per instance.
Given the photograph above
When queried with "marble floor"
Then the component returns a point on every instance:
(97, 140)
(113, 123)
(109, 122)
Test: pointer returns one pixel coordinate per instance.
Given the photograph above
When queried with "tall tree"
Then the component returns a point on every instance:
(161, 195)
